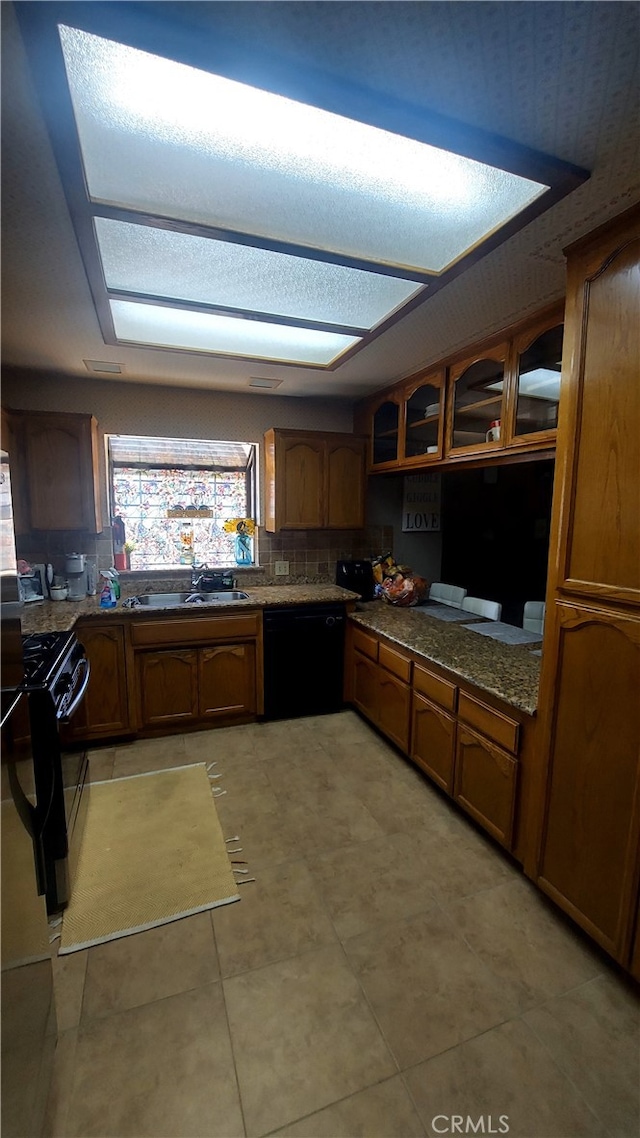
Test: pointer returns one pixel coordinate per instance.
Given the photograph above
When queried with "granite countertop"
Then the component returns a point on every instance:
(60, 616)
(508, 671)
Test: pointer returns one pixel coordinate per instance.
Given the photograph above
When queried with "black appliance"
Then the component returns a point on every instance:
(56, 676)
(356, 576)
(26, 992)
(303, 660)
(212, 580)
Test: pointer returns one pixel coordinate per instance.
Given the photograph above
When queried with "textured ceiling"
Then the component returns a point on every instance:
(562, 78)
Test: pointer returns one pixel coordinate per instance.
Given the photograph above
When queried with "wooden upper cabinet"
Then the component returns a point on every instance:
(301, 482)
(423, 420)
(600, 551)
(314, 480)
(13, 444)
(385, 432)
(537, 365)
(345, 483)
(497, 399)
(60, 460)
(476, 394)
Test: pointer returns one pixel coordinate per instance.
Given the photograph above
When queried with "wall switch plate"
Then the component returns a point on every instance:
(281, 568)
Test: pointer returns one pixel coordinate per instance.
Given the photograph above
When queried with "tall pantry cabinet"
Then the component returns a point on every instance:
(587, 855)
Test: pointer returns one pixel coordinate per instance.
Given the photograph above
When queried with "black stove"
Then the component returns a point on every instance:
(55, 663)
(56, 675)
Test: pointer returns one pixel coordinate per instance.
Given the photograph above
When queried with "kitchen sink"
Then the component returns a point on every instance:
(168, 600)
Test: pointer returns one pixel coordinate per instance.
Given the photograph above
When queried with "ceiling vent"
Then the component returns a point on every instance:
(103, 366)
(268, 384)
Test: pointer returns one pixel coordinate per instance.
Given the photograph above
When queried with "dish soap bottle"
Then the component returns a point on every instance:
(107, 596)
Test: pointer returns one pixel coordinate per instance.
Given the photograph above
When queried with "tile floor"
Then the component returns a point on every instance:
(388, 969)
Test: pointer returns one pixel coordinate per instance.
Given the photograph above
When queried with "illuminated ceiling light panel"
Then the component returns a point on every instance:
(541, 383)
(182, 266)
(154, 325)
(167, 139)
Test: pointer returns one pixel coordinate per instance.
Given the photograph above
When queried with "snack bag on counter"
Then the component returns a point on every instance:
(404, 588)
(383, 566)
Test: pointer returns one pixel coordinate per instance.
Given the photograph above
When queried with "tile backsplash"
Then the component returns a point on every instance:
(312, 554)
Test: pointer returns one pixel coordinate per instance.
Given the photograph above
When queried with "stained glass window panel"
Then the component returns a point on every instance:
(142, 498)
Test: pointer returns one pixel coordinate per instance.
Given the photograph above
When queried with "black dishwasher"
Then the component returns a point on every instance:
(303, 660)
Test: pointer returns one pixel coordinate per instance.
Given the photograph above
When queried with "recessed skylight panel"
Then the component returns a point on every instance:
(162, 262)
(163, 138)
(154, 325)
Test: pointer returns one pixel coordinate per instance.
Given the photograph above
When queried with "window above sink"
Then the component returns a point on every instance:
(173, 501)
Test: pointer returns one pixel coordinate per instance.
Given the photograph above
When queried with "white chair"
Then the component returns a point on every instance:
(491, 609)
(447, 594)
(533, 617)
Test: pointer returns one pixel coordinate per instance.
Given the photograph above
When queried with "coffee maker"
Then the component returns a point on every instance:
(76, 572)
(356, 576)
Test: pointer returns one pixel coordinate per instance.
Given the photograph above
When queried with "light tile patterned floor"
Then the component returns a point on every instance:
(388, 969)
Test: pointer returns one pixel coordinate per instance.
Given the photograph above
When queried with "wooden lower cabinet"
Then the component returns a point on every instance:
(485, 783)
(468, 747)
(433, 738)
(105, 710)
(195, 672)
(167, 687)
(365, 686)
(394, 708)
(190, 685)
(589, 837)
(383, 697)
(227, 681)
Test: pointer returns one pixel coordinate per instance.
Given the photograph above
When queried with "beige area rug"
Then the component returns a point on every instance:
(152, 852)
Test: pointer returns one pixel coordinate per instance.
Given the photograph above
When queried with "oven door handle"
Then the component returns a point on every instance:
(79, 696)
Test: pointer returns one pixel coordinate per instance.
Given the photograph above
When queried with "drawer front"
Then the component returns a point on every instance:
(195, 630)
(490, 722)
(434, 687)
(395, 662)
(366, 644)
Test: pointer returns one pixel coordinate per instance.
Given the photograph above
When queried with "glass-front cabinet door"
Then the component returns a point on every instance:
(386, 433)
(477, 392)
(538, 362)
(423, 419)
